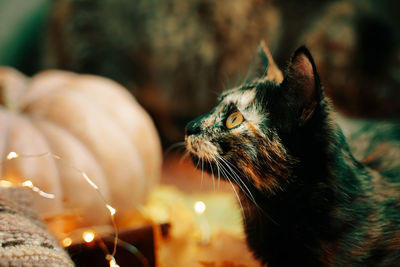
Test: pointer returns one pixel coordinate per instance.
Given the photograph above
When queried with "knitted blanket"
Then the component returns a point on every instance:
(24, 239)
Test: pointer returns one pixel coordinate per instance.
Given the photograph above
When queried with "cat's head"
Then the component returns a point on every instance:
(241, 137)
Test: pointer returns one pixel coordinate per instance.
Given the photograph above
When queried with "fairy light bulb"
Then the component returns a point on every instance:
(5, 183)
(199, 207)
(112, 261)
(28, 184)
(66, 242)
(88, 236)
(111, 209)
(12, 155)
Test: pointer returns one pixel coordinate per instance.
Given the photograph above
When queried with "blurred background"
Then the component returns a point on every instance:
(175, 56)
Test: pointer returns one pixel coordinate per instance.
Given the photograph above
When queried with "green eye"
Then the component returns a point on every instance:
(235, 119)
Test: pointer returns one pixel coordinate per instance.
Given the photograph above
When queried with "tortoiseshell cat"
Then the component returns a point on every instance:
(306, 200)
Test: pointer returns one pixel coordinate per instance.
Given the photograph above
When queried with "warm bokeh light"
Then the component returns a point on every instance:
(12, 155)
(112, 261)
(111, 209)
(5, 183)
(66, 242)
(199, 207)
(88, 236)
(27, 183)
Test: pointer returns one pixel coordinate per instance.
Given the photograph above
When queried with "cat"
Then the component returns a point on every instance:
(305, 199)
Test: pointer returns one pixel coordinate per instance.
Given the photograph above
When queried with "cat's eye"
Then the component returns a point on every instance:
(235, 119)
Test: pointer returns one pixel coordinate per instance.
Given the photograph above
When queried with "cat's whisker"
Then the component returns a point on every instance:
(227, 172)
(198, 163)
(234, 190)
(231, 175)
(238, 179)
(174, 146)
(216, 93)
(212, 172)
(248, 74)
(251, 196)
(228, 82)
(218, 170)
(238, 80)
(241, 180)
(202, 171)
(184, 156)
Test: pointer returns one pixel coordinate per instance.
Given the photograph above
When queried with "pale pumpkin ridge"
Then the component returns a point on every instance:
(43, 137)
(88, 149)
(23, 132)
(84, 147)
(59, 87)
(113, 187)
(14, 85)
(127, 100)
(53, 132)
(6, 130)
(141, 174)
(32, 95)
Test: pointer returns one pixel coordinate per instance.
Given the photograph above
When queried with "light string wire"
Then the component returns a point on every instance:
(28, 184)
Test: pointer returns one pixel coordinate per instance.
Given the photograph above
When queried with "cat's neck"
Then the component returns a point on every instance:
(326, 171)
(301, 215)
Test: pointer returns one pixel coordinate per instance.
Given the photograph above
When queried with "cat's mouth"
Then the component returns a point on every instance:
(201, 148)
(204, 154)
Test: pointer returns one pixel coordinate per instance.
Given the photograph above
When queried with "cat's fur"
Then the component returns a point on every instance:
(306, 200)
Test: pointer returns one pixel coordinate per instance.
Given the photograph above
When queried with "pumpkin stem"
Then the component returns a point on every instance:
(5, 99)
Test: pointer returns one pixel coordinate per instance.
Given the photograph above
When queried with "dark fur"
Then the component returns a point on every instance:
(316, 204)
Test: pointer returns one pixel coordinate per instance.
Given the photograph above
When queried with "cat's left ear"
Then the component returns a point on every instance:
(272, 71)
(302, 84)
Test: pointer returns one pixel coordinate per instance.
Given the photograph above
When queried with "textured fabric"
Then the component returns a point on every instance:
(24, 239)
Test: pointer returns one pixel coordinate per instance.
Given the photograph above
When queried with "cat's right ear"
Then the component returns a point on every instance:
(272, 72)
(302, 85)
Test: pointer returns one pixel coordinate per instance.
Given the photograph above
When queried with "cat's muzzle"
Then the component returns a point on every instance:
(201, 147)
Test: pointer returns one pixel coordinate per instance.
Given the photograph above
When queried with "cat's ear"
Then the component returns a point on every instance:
(272, 72)
(302, 84)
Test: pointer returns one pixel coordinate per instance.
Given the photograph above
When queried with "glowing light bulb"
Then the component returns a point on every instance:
(199, 207)
(88, 236)
(111, 209)
(5, 183)
(66, 242)
(112, 261)
(12, 155)
(27, 183)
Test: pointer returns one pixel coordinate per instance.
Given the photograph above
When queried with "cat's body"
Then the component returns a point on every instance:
(306, 200)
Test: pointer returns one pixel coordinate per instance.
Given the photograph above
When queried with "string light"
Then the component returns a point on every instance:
(66, 242)
(111, 209)
(199, 207)
(5, 183)
(89, 181)
(12, 155)
(112, 261)
(88, 236)
(29, 184)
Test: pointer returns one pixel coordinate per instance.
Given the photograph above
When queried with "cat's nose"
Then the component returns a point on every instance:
(192, 127)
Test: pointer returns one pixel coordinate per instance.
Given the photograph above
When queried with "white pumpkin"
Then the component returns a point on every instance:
(95, 125)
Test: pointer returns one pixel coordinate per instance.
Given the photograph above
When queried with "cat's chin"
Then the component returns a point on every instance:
(206, 165)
